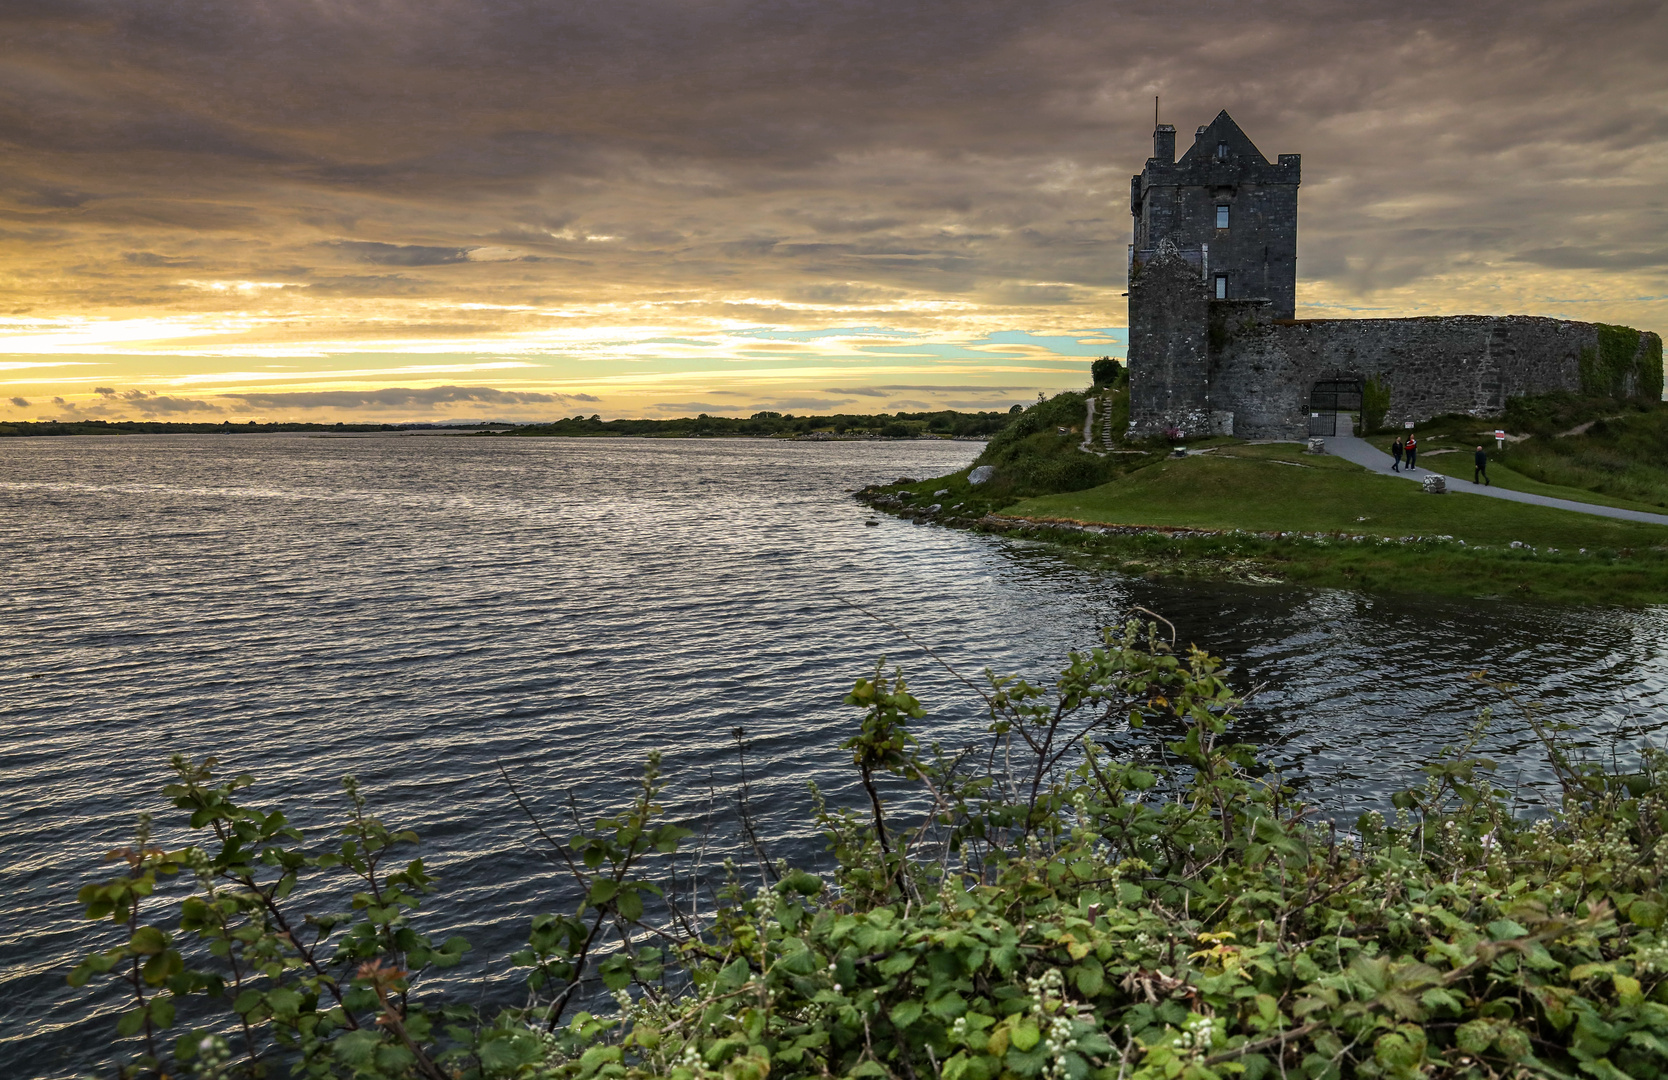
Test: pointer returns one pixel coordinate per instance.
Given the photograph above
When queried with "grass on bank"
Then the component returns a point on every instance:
(1623, 562)
(1325, 494)
(1452, 545)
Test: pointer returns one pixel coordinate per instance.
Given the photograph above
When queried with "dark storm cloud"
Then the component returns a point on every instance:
(22, 403)
(399, 397)
(858, 154)
(112, 405)
(150, 403)
(402, 254)
(151, 258)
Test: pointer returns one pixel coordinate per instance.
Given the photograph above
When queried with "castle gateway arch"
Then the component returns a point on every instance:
(1334, 396)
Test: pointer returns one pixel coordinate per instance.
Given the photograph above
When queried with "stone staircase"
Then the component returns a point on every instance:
(1098, 436)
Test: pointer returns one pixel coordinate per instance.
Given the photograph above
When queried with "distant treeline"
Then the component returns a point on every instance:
(901, 425)
(167, 427)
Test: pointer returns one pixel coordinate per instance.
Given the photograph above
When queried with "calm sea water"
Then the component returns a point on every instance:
(418, 610)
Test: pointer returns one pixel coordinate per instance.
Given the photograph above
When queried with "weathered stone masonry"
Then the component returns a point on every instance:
(1261, 370)
(1240, 365)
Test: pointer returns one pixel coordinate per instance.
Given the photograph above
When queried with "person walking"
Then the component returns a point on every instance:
(1411, 449)
(1396, 452)
(1481, 468)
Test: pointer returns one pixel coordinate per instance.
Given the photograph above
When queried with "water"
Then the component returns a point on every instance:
(420, 610)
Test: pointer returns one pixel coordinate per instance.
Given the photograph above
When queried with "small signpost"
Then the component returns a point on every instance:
(1499, 439)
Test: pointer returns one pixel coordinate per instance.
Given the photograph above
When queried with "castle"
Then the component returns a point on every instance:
(1214, 347)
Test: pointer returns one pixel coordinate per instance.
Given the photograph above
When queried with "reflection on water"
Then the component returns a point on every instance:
(417, 610)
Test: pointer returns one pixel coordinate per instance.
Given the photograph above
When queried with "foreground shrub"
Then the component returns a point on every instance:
(1102, 888)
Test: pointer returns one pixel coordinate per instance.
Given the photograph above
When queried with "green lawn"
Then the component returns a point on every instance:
(1252, 490)
(1458, 463)
(1237, 494)
(1621, 459)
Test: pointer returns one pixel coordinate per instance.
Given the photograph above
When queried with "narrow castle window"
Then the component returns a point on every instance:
(1222, 151)
(1221, 215)
(1222, 286)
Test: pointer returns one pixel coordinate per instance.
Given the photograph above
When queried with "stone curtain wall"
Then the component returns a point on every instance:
(1264, 370)
(1198, 365)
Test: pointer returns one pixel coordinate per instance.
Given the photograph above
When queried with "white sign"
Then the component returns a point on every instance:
(1408, 425)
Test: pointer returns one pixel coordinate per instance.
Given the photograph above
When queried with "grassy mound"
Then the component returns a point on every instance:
(1040, 453)
(1270, 513)
(1450, 545)
(1284, 515)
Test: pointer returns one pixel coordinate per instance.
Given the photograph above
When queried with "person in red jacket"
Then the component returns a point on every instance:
(1411, 449)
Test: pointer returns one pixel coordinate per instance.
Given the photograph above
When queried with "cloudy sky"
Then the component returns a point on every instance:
(521, 209)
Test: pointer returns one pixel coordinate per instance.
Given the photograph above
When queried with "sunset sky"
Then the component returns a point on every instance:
(525, 209)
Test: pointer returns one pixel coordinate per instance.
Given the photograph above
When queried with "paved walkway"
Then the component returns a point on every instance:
(1364, 453)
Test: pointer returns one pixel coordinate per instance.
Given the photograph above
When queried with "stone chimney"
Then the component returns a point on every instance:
(1164, 143)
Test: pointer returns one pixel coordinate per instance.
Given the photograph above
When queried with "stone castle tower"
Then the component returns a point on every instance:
(1214, 347)
(1227, 209)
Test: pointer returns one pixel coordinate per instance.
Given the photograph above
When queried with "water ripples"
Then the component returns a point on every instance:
(420, 610)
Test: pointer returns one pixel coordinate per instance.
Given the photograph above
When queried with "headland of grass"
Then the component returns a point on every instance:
(1267, 513)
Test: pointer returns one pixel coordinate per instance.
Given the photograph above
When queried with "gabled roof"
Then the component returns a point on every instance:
(1223, 130)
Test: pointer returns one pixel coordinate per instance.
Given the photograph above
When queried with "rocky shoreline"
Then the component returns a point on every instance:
(898, 504)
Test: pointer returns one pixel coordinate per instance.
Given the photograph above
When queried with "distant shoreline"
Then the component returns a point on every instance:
(944, 424)
(328, 431)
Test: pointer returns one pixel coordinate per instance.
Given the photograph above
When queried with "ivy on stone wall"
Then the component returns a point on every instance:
(1650, 368)
(1375, 403)
(1625, 363)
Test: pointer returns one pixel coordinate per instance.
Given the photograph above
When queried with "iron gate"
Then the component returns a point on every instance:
(1329, 398)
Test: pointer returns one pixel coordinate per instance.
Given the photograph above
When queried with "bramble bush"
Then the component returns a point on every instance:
(1058, 912)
